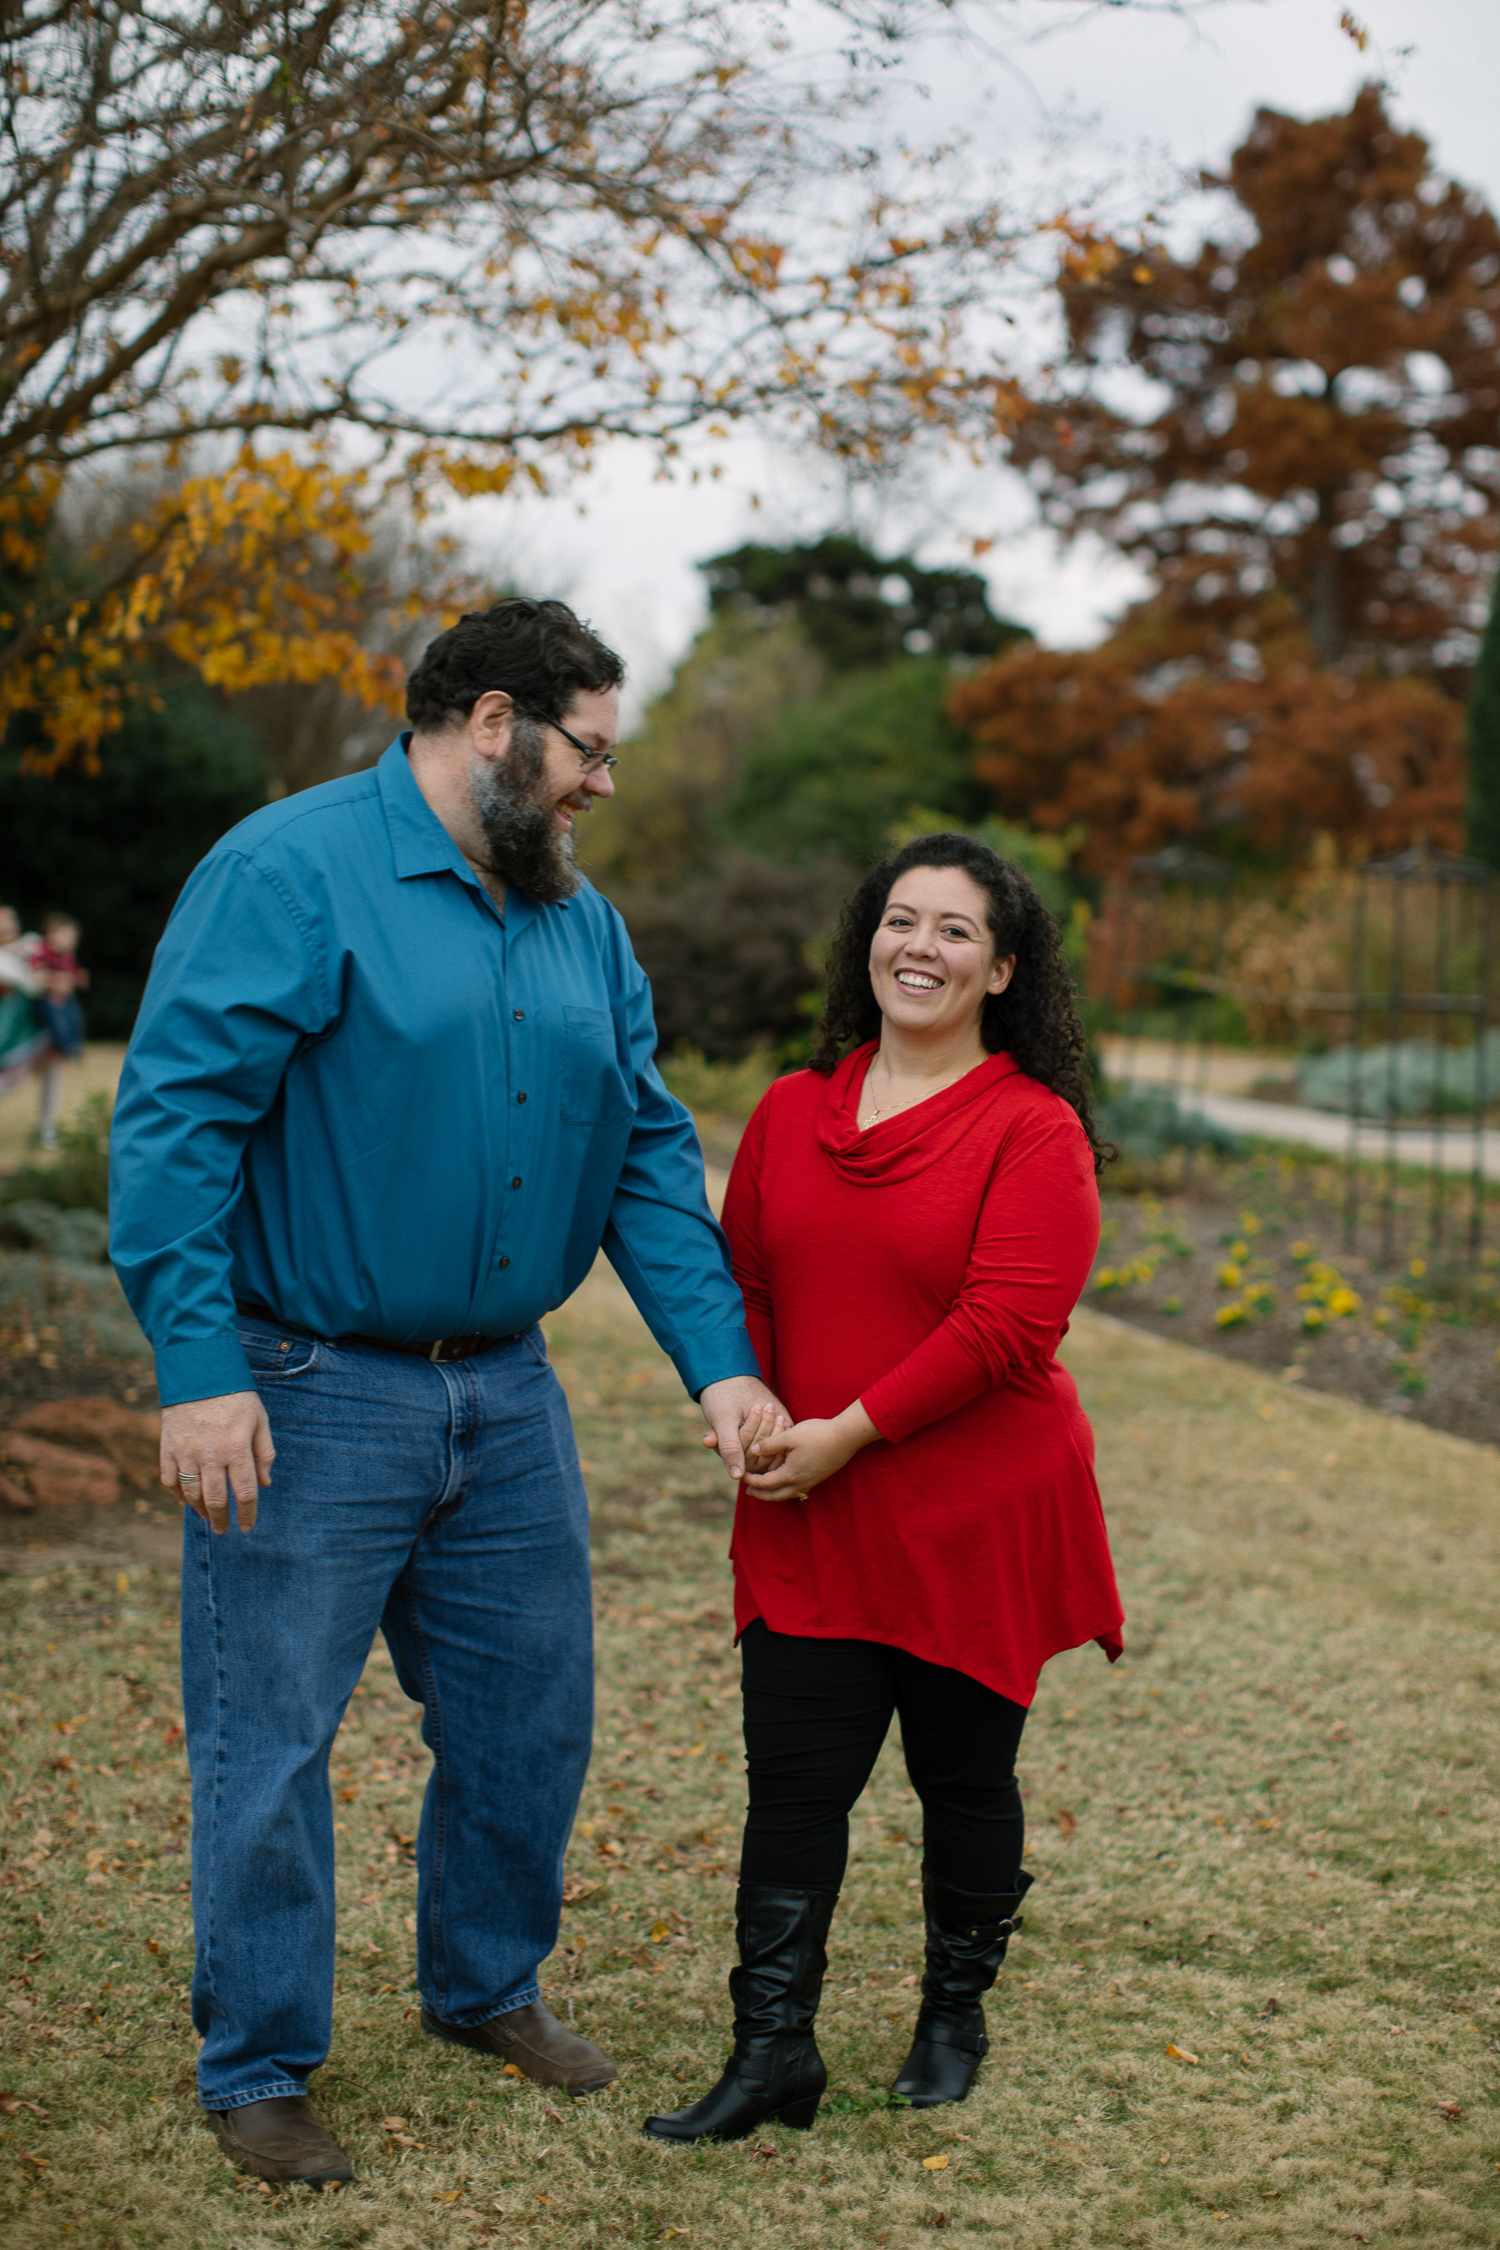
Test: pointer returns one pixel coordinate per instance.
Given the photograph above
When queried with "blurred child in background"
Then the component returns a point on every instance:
(55, 958)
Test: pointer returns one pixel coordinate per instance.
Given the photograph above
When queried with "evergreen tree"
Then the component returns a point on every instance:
(1483, 823)
(116, 847)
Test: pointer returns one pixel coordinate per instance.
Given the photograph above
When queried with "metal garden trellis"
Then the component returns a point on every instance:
(1422, 918)
(1166, 943)
(1421, 968)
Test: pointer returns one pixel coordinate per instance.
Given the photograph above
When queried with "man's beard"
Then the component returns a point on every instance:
(522, 839)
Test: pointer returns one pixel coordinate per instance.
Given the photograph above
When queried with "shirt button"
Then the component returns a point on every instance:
(505, 1261)
(516, 1181)
(519, 1014)
(520, 1097)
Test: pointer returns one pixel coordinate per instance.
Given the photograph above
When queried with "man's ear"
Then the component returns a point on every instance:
(490, 723)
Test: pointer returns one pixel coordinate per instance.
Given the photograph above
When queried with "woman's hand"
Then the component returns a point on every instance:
(742, 1415)
(811, 1452)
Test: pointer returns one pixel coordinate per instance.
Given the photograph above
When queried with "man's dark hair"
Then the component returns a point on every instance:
(540, 653)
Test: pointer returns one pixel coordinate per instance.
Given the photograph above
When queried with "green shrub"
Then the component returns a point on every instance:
(79, 1178)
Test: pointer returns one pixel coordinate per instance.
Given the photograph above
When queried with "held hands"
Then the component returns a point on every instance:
(211, 1447)
(810, 1452)
(742, 1416)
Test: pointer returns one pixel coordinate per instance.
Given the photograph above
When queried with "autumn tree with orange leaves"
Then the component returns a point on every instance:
(313, 254)
(1311, 481)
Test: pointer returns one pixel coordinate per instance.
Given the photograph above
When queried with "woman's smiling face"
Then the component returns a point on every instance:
(933, 962)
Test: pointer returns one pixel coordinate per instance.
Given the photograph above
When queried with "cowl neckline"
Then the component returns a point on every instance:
(899, 1147)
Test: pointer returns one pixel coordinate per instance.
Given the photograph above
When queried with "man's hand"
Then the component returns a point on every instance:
(741, 1413)
(810, 1452)
(211, 1447)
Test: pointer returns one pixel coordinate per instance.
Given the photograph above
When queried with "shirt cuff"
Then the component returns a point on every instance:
(210, 1368)
(714, 1356)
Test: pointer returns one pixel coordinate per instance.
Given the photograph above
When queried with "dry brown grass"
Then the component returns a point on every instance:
(1264, 1839)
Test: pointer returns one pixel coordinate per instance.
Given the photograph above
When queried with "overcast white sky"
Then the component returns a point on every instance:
(1159, 92)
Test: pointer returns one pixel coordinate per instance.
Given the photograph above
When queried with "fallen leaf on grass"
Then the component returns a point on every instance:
(575, 1888)
(395, 2124)
(1066, 1823)
(902, 1983)
(453, 2198)
(555, 2114)
(935, 2163)
(10, 2103)
(1454, 2110)
(511, 2070)
(43, 2163)
(1181, 2054)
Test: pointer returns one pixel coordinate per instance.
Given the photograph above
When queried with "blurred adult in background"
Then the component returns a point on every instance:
(390, 1091)
(23, 1035)
(912, 1221)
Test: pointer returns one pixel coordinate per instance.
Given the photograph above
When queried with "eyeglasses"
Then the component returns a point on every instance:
(594, 761)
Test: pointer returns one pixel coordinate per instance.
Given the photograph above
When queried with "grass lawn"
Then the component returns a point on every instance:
(1255, 1999)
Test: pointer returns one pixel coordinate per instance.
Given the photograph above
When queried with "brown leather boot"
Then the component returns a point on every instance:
(281, 2139)
(538, 2045)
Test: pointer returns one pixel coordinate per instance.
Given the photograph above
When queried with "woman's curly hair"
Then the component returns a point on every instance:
(1035, 1019)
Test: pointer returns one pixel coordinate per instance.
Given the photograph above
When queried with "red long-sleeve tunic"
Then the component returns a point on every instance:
(928, 1267)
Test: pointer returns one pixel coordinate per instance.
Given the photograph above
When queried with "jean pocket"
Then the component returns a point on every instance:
(275, 1356)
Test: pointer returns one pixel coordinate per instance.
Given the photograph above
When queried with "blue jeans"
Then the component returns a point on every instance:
(442, 1505)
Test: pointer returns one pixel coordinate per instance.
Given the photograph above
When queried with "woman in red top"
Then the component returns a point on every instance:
(912, 1223)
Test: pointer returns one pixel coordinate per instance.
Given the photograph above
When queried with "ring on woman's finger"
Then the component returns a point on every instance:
(192, 1477)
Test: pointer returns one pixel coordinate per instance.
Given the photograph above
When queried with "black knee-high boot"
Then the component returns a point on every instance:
(775, 2072)
(967, 1934)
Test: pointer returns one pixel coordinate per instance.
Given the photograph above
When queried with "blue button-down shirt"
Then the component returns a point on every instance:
(360, 1094)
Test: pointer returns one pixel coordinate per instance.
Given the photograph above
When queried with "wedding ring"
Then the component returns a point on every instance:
(192, 1477)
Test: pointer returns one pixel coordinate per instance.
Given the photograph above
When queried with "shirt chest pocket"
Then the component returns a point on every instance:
(594, 1088)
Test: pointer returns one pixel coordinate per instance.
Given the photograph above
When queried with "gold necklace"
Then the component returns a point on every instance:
(889, 1109)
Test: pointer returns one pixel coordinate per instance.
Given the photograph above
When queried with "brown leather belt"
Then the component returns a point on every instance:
(441, 1348)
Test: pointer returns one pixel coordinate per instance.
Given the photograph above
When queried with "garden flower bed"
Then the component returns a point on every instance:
(1247, 1257)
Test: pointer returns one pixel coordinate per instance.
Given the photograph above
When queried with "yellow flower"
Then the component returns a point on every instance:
(1229, 1316)
(1302, 1251)
(1417, 1268)
(1343, 1301)
(1313, 1316)
(1239, 1250)
(1249, 1223)
(1229, 1275)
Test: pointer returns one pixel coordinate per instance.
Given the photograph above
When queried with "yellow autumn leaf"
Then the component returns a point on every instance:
(659, 1933)
(1181, 2054)
(934, 2163)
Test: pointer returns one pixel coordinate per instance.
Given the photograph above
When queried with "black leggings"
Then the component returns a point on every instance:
(816, 1714)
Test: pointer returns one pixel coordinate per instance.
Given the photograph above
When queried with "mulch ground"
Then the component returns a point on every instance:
(1248, 1259)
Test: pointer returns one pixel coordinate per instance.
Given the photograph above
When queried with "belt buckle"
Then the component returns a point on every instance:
(436, 1353)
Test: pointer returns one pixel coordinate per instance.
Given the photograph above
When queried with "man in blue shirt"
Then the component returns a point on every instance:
(390, 1092)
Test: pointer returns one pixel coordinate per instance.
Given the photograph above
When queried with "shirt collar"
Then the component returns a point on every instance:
(420, 842)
